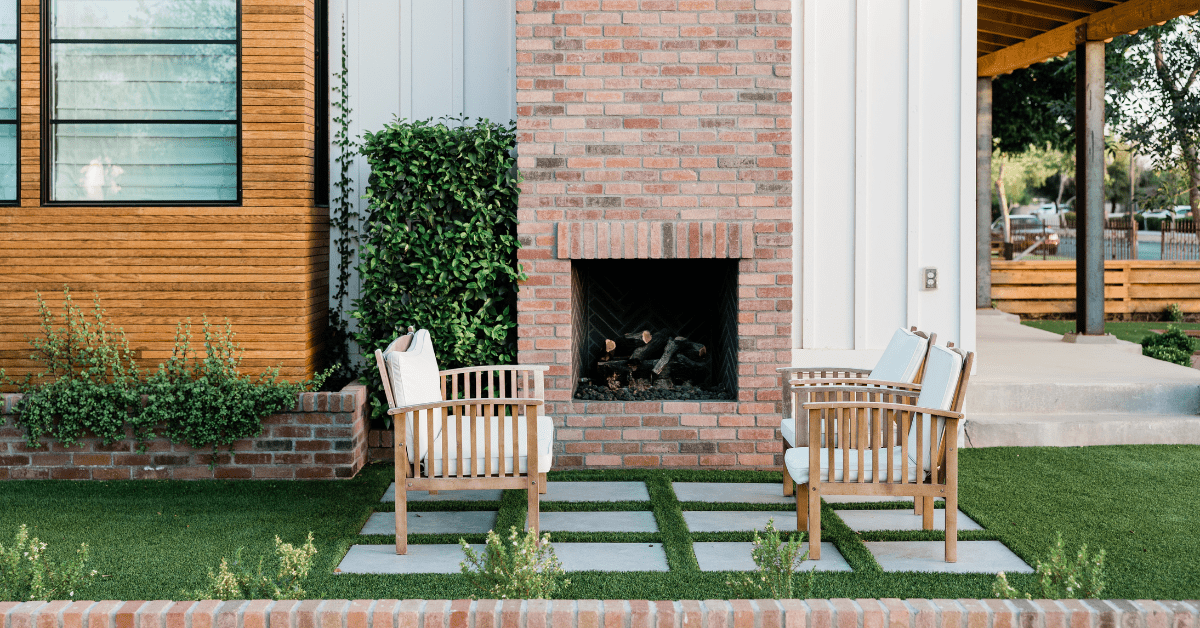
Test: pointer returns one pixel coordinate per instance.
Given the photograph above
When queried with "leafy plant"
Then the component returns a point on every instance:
(1173, 346)
(775, 576)
(28, 573)
(1060, 578)
(440, 248)
(89, 379)
(1174, 313)
(238, 580)
(520, 568)
(205, 400)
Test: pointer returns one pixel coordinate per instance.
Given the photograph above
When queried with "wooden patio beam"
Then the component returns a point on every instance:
(1128, 17)
(1032, 9)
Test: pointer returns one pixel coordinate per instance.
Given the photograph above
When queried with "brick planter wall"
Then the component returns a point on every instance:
(323, 437)
(864, 613)
(656, 129)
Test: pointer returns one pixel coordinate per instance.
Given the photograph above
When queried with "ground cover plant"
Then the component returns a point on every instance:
(158, 539)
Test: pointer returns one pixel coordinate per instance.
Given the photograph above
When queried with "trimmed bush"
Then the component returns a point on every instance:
(440, 243)
(1173, 346)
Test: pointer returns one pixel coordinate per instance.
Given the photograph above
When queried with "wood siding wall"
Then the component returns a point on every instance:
(263, 265)
(1130, 286)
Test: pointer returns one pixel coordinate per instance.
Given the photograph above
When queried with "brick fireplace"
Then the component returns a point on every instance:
(658, 130)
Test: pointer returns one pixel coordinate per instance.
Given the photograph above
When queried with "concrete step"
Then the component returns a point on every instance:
(1080, 429)
(1039, 398)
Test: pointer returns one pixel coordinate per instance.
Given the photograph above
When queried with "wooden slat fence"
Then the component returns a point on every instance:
(1180, 240)
(1130, 286)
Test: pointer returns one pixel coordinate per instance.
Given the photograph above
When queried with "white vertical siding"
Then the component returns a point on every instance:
(884, 186)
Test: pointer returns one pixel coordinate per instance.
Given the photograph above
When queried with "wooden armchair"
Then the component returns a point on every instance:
(468, 428)
(864, 459)
(900, 368)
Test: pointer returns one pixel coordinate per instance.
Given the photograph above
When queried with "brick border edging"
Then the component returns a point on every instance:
(835, 613)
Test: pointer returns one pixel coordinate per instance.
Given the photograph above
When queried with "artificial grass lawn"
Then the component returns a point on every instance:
(1131, 331)
(157, 539)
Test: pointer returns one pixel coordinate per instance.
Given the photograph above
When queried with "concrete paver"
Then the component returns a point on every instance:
(616, 521)
(611, 556)
(760, 493)
(433, 522)
(738, 521)
(868, 520)
(596, 492)
(445, 496)
(382, 559)
(717, 556)
(930, 556)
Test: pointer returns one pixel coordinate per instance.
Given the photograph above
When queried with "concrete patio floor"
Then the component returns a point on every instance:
(1032, 389)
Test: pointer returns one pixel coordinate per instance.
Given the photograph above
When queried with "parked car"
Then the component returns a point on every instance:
(1162, 214)
(1026, 229)
(1183, 211)
(1047, 209)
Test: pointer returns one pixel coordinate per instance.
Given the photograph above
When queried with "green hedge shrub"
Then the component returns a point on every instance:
(440, 243)
(1173, 346)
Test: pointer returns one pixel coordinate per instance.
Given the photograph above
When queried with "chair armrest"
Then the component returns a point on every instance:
(853, 381)
(873, 405)
(496, 367)
(457, 403)
(800, 371)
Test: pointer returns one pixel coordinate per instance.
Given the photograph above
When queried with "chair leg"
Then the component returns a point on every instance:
(814, 523)
(927, 513)
(917, 503)
(531, 520)
(952, 528)
(801, 507)
(401, 477)
(788, 484)
(543, 487)
(433, 492)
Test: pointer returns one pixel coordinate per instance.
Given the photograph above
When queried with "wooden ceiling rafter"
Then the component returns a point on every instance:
(1033, 9)
(1103, 20)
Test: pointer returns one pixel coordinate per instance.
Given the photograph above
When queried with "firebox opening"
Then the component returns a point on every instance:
(655, 329)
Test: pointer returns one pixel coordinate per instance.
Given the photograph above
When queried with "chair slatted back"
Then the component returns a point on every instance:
(467, 449)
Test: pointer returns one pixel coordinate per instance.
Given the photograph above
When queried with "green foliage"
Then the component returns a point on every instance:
(775, 576)
(441, 245)
(91, 385)
(1059, 578)
(239, 581)
(205, 400)
(89, 381)
(1173, 346)
(28, 573)
(523, 568)
(1174, 313)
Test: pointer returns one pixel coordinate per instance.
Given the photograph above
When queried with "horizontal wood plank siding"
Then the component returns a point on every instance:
(1130, 286)
(263, 265)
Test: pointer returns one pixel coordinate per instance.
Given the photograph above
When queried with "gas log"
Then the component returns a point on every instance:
(655, 356)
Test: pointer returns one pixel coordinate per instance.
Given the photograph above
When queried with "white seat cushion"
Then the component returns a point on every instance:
(937, 391)
(796, 460)
(545, 445)
(415, 380)
(901, 358)
(788, 428)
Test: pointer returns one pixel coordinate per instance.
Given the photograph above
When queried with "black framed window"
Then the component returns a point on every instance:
(143, 101)
(8, 101)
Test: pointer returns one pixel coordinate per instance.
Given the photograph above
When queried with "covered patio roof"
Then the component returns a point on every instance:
(1013, 34)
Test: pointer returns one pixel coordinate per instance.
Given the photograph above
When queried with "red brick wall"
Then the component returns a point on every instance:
(657, 129)
(323, 437)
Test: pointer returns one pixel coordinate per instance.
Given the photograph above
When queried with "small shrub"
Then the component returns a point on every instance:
(27, 573)
(1173, 346)
(1060, 578)
(237, 580)
(520, 568)
(1174, 313)
(775, 576)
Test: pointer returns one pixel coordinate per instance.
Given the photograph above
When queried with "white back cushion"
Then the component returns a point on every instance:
(937, 392)
(414, 375)
(901, 358)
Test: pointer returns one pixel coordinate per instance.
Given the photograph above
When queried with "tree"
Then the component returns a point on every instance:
(1159, 100)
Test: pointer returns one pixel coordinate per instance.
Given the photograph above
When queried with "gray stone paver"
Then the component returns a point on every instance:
(433, 522)
(717, 556)
(611, 556)
(930, 556)
(445, 496)
(382, 559)
(617, 521)
(596, 492)
(738, 521)
(870, 520)
(760, 493)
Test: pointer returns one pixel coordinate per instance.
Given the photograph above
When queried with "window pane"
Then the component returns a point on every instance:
(8, 19)
(8, 81)
(144, 81)
(8, 162)
(143, 19)
(144, 162)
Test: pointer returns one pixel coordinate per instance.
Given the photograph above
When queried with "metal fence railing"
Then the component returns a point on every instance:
(1180, 240)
